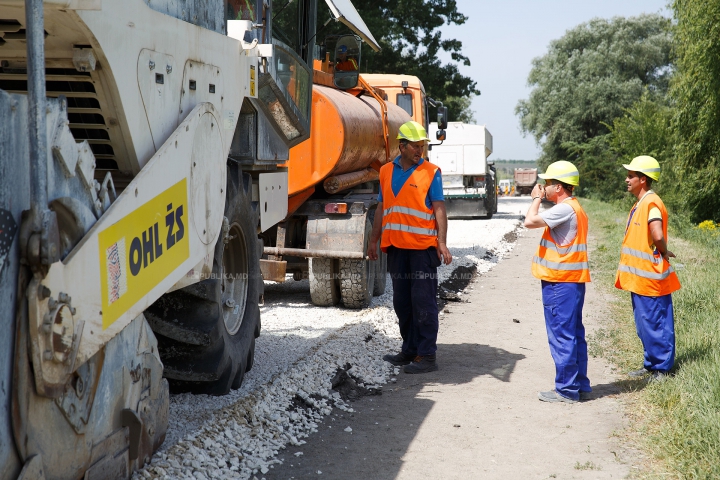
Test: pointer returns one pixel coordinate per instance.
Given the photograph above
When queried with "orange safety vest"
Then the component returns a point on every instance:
(349, 65)
(564, 263)
(407, 221)
(643, 270)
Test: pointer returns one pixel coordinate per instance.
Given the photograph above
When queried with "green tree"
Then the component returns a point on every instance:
(646, 129)
(585, 81)
(409, 32)
(696, 89)
(459, 109)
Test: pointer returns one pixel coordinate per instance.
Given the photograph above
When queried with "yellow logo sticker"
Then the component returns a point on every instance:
(143, 248)
(252, 80)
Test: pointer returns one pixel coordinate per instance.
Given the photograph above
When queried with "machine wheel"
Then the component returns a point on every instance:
(206, 332)
(491, 200)
(250, 357)
(322, 273)
(357, 277)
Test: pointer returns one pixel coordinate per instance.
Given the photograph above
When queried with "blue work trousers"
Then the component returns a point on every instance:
(415, 283)
(655, 325)
(563, 304)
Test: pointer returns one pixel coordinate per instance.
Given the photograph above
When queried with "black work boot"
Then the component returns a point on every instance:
(399, 359)
(421, 365)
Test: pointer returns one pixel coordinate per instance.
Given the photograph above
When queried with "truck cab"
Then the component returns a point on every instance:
(405, 91)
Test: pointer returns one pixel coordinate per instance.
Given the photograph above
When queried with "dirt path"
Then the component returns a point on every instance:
(478, 416)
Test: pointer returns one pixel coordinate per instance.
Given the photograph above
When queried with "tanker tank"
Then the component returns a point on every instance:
(346, 136)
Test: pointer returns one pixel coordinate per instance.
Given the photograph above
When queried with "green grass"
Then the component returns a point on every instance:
(586, 466)
(677, 420)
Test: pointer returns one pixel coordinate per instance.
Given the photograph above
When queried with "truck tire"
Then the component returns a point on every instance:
(206, 332)
(322, 273)
(357, 277)
(491, 197)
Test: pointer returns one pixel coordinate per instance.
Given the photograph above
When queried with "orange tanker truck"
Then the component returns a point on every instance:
(333, 180)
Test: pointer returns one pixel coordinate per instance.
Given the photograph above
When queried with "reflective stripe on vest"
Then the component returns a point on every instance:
(645, 274)
(407, 221)
(407, 228)
(642, 270)
(561, 266)
(566, 263)
(563, 250)
(409, 211)
(641, 255)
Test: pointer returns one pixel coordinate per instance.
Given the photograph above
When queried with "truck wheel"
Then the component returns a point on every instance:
(491, 198)
(322, 273)
(206, 331)
(357, 277)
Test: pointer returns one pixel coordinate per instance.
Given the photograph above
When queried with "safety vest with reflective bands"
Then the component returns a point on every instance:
(643, 270)
(564, 263)
(407, 221)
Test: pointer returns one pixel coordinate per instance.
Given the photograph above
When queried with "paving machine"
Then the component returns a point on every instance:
(139, 151)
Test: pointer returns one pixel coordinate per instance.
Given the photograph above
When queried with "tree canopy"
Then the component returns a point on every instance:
(588, 78)
(696, 121)
(409, 32)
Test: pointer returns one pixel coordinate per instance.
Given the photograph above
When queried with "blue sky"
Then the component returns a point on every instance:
(501, 38)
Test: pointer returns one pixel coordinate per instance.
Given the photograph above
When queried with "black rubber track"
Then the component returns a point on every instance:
(198, 352)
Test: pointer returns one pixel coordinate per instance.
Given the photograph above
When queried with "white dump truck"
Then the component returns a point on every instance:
(468, 176)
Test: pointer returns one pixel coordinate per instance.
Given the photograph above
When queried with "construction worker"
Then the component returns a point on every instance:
(561, 263)
(645, 271)
(343, 63)
(411, 223)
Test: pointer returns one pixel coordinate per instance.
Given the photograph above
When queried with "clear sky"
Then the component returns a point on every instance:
(501, 37)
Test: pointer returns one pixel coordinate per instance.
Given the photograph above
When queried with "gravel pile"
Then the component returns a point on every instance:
(301, 349)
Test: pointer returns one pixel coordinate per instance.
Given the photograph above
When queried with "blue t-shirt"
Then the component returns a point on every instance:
(400, 176)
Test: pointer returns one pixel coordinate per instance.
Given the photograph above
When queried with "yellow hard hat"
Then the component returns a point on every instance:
(562, 171)
(412, 132)
(645, 164)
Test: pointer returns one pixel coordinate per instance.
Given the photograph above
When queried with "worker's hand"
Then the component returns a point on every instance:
(537, 191)
(668, 254)
(372, 252)
(444, 254)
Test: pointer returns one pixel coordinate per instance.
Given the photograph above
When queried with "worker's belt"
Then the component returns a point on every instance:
(563, 250)
(407, 228)
(409, 211)
(561, 266)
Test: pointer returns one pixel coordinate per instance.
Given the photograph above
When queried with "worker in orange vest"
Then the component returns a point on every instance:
(343, 63)
(561, 263)
(645, 271)
(411, 224)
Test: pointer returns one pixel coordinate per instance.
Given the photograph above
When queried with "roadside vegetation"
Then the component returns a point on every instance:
(676, 421)
(613, 89)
